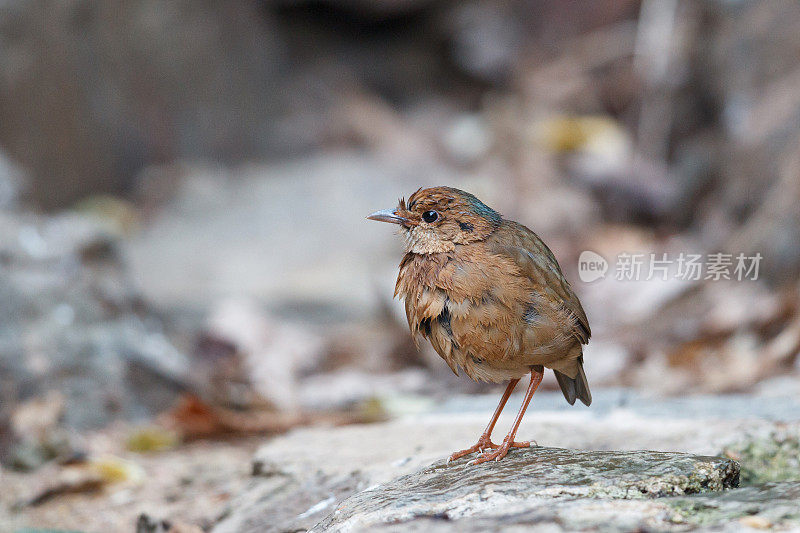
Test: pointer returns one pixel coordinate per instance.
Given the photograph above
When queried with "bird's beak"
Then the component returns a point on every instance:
(388, 215)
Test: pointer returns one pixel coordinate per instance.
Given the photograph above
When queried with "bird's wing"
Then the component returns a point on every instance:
(537, 263)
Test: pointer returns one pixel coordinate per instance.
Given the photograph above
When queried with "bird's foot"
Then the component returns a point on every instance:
(484, 442)
(499, 451)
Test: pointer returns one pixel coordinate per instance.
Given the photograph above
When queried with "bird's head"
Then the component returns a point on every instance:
(436, 220)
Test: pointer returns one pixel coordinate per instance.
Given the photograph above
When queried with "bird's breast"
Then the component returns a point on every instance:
(470, 308)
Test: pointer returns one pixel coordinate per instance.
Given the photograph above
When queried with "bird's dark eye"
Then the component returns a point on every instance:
(430, 216)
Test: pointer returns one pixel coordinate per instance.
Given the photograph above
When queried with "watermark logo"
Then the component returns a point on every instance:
(591, 266)
(684, 266)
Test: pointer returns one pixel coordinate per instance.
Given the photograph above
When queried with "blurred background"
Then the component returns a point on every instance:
(183, 185)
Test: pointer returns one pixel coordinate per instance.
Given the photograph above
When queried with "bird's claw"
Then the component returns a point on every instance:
(500, 452)
(483, 443)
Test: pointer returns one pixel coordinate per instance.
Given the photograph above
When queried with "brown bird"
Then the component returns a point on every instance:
(490, 297)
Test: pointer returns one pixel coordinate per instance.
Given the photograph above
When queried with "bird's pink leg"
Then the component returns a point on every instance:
(537, 373)
(485, 440)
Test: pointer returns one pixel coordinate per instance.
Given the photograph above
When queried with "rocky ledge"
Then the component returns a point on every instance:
(391, 476)
(529, 479)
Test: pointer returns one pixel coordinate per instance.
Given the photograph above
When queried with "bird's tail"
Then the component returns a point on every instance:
(577, 387)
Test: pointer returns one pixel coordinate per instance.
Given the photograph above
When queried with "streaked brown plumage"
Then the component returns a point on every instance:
(490, 297)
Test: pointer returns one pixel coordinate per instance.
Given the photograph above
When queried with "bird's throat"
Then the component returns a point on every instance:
(421, 241)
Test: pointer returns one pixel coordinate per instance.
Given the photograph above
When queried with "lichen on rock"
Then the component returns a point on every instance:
(773, 503)
(767, 456)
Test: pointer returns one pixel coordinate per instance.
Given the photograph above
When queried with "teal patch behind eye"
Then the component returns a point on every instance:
(482, 210)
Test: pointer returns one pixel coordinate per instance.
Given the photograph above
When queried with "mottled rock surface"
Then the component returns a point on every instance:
(523, 479)
(391, 476)
(760, 506)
